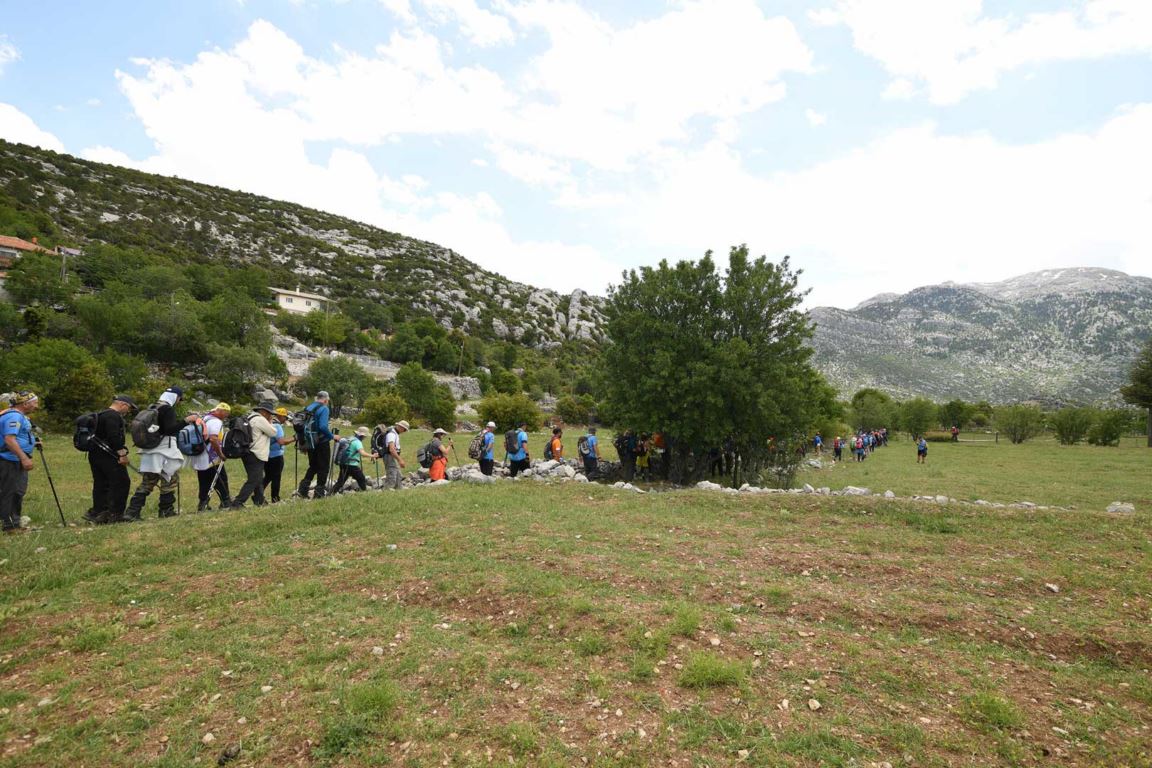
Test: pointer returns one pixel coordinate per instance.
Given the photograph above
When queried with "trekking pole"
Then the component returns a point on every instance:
(179, 506)
(215, 479)
(376, 464)
(296, 467)
(52, 485)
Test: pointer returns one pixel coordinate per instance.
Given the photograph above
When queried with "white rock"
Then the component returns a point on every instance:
(808, 488)
(941, 499)
(377, 650)
(705, 485)
(545, 466)
(208, 738)
(1122, 507)
(813, 704)
(618, 484)
(852, 490)
(1053, 588)
(889, 495)
(580, 479)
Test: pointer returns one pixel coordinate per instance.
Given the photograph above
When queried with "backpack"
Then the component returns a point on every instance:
(238, 440)
(548, 450)
(582, 446)
(476, 447)
(344, 452)
(380, 439)
(424, 455)
(859, 444)
(85, 432)
(145, 428)
(304, 425)
(511, 443)
(191, 439)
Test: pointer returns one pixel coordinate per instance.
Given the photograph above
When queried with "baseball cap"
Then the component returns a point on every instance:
(491, 425)
(128, 401)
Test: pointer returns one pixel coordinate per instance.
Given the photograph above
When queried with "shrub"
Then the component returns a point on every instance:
(575, 410)
(509, 410)
(938, 437)
(506, 382)
(41, 364)
(1020, 422)
(1107, 428)
(431, 401)
(386, 408)
(1072, 424)
(82, 389)
(345, 381)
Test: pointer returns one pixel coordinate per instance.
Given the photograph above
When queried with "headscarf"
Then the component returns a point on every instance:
(170, 398)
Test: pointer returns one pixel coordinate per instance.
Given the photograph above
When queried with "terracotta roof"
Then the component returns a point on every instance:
(20, 245)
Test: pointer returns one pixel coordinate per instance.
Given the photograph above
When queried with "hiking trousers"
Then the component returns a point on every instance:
(392, 476)
(149, 481)
(13, 486)
(110, 485)
(273, 470)
(353, 472)
(204, 478)
(319, 461)
(254, 484)
(486, 466)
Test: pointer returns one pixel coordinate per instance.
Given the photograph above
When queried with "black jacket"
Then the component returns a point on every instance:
(110, 429)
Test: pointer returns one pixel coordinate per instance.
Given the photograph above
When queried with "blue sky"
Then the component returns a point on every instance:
(883, 144)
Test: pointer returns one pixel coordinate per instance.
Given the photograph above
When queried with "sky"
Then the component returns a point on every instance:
(880, 144)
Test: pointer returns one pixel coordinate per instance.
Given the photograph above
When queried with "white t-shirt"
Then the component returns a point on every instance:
(392, 437)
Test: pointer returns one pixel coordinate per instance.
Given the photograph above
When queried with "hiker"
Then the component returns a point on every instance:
(643, 449)
(922, 451)
(108, 461)
(518, 459)
(209, 464)
(274, 469)
(354, 454)
(319, 448)
(625, 446)
(262, 433)
(955, 433)
(589, 449)
(439, 468)
(16, 458)
(154, 433)
(392, 461)
(488, 448)
(837, 449)
(818, 444)
(555, 445)
(859, 448)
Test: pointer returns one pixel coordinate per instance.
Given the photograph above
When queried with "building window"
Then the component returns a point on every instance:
(287, 299)
(307, 303)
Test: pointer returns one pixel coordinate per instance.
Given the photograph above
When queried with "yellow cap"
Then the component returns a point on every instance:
(223, 407)
(282, 411)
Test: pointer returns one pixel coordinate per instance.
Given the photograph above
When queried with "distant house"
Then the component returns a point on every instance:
(12, 248)
(298, 302)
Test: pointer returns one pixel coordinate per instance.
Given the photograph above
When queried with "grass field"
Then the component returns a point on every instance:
(571, 625)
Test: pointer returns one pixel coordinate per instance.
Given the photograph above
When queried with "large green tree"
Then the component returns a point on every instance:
(1020, 422)
(1139, 389)
(345, 382)
(873, 409)
(918, 415)
(709, 358)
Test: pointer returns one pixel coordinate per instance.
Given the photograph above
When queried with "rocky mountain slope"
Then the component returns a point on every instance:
(1065, 335)
(317, 251)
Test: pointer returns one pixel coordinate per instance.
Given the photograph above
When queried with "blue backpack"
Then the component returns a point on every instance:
(191, 440)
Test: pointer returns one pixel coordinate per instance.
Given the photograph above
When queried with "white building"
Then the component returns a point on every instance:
(298, 302)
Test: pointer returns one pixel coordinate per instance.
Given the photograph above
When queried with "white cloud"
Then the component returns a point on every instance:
(815, 119)
(482, 27)
(954, 48)
(8, 53)
(918, 207)
(899, 90)
(15, 126)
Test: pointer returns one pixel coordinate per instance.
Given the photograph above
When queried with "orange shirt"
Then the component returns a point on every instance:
(557, 448)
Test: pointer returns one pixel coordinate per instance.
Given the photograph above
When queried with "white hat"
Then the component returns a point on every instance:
(439, 431)
(403, 425)
(491, 425)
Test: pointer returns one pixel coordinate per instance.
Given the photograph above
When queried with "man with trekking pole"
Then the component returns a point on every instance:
(108, 461)
(211, 474)
(16, 459)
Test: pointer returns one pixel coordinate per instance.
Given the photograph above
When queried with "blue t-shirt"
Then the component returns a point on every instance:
(522, 441)
(320, 420)
(275, 449)
(486, 446)
(15, 423)
(817, 441)
(922, 446)
(592, 443)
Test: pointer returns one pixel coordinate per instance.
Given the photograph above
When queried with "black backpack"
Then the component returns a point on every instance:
(424, 455)
(582, 446)
(380, 439)
(85, 434)
(145, 428)
(304, 425)
(238, 440)
(343, 451)
(548, 450)
(511, 442)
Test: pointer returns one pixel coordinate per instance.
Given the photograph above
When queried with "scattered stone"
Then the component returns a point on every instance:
(377, 651)
(705, 485)
(265, 689)
(1053, 588)
(941, 499)
(1121, 507)
(813, 704)
(852, 490)
(44, 702)
(889, 495)
(808, 488)
(208, 738)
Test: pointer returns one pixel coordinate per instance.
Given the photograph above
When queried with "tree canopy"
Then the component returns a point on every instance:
(1139, 389)
(709, 358)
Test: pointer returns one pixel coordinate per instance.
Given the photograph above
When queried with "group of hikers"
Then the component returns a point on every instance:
(859, 446)
(205, 442)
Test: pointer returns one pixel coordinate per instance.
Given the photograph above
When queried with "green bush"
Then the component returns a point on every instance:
(1107, 427)
(575, 409)
(1072, 424)
(506, 382)
(432, 402)
(79, 390)
(938, 437)
(344, 380)
(509, 411)
(385, 408)
(1020, 422)
(41, 364)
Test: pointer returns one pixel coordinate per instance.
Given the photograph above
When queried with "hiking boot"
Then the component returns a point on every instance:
(167, 505)
(91, 516)
(204, 507)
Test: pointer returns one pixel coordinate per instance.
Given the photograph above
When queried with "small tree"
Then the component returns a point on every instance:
(956, 412)
(1072, 424)
(509, 411)
(345, 381)
(384, 408)
(79, 390)
(1020, 422)
(506, 382)
(434, 402)
(918, 415)
(872, 409)
(575, 410)
(234, 370)
(41, 364)
(35, 279)
(1107, 427)
(1139, 389)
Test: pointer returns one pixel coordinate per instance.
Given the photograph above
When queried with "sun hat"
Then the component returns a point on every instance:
(282, 411)
(267, 405)
(363, 432)
(403, 425)
(439, 431)
(322, 394)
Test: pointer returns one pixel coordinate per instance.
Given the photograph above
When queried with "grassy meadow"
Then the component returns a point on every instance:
(559, 625)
